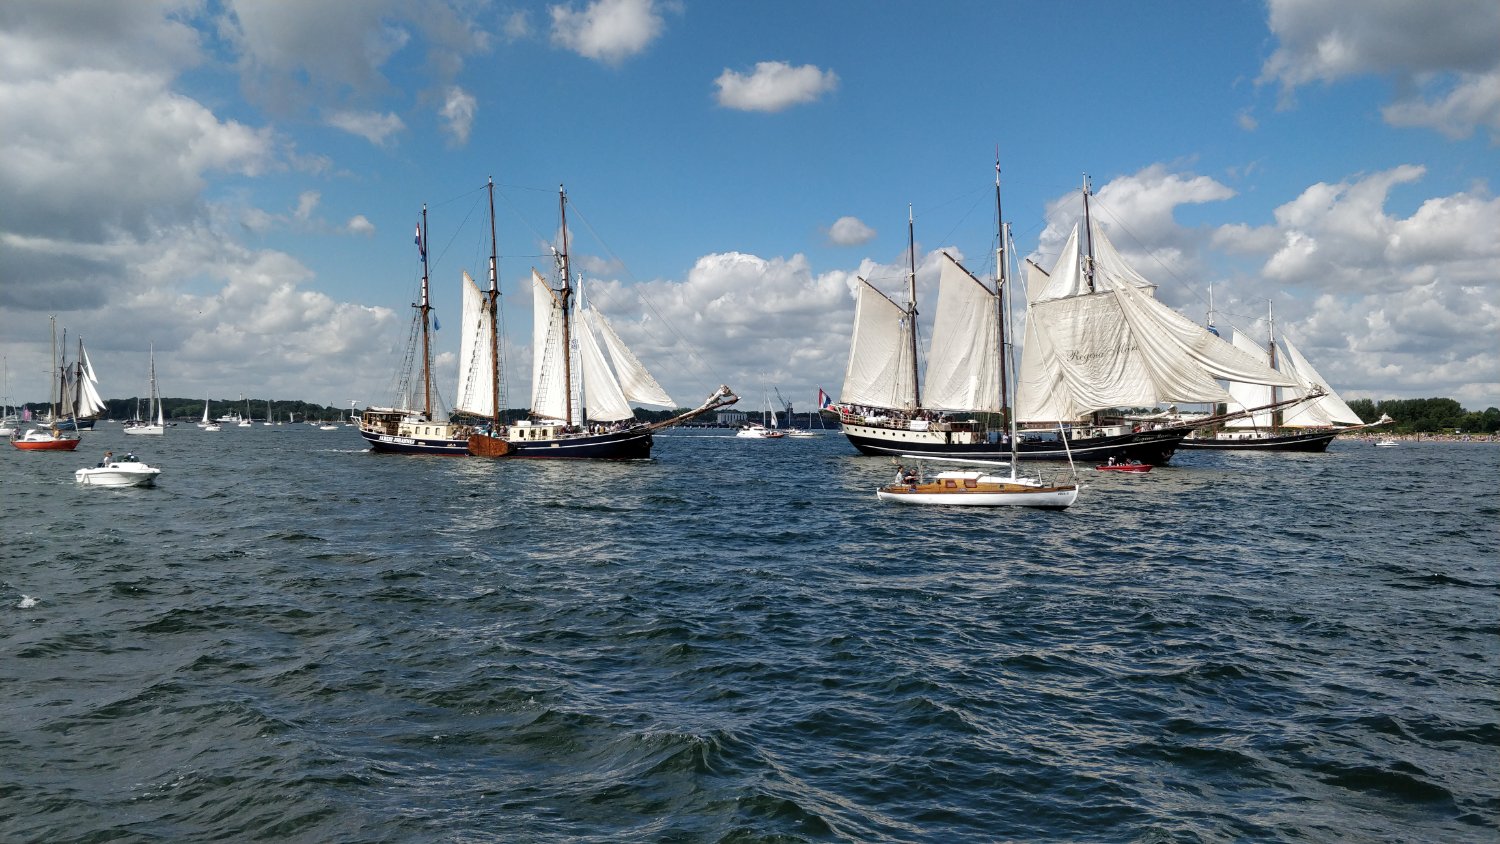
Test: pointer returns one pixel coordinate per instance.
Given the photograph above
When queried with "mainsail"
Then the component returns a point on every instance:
(476, 393)
(963, 366)
(1243, 396)
(1328, 409)
(605, 392)
(879, 370)
(1099, 340)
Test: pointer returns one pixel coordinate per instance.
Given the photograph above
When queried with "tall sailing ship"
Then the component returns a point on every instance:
(413, 428)
(1096, 340)
(580, 401)
(1309, 425)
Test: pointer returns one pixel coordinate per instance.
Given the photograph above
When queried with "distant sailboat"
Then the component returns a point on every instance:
(208, 425)
(51, 438)
(149, 427)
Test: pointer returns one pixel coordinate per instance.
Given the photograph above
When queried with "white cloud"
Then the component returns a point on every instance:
(517, 25)
(458, 110)
(774, 86)
(850, 231)
(360, 225)
(1444, 55)
(307, 202)
(373, 127)
(609, 31)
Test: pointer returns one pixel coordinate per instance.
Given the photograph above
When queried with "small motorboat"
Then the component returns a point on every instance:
(125, 471)
(38, 439)
(1127, 466)
(1386, 442)
(756, 431)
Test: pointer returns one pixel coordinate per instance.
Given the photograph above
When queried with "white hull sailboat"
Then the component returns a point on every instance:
(159, 426)
(955, 488)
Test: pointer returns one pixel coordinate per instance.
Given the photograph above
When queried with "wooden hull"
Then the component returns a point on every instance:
(1152, 447)
(1135, 469)
(630, 444)
(1316, 441)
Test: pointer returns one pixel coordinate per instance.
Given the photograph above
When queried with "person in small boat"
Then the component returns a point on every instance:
(108, 456)
(1111, 462)
(909, 477)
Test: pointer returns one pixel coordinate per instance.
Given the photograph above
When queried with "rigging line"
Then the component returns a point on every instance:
(1149, 252)
(651, 306)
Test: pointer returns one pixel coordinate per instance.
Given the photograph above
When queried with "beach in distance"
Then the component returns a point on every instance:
(292, 638)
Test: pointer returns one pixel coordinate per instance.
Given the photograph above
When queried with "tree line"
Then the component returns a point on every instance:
(1429, 416)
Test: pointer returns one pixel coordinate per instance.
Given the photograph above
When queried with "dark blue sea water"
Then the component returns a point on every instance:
(292, 639)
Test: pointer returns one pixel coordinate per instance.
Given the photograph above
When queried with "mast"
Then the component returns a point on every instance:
(1002, 269)
(52, 398)
(566, 295)
(425, 307)
(1271, 350)
(494, 308)
(1088, 230)
(1005, 362)
(911, 305)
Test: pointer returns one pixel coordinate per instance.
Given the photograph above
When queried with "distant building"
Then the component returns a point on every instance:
(730, 417)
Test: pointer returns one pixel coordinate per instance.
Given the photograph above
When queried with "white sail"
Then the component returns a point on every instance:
(1324, 411)
(1244, 396)
(549, 382)
(476, 388)
(1118, 346)
(635, 381)
(602, 397)
(878, 369)
(963, 366)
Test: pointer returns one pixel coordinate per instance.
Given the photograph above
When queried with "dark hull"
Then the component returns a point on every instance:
(632, 444)
(390, 444)
(1311, 442)
(75, 425)
(1153, 447)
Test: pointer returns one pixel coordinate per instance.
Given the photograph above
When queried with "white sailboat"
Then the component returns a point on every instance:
(149, 427)
(208, 424)
(764, 429)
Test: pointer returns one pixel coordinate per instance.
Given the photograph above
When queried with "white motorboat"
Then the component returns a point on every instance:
(1385, 442)
(125, 471)
(757, 431)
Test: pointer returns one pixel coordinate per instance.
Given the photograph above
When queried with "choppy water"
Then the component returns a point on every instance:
(292, 639)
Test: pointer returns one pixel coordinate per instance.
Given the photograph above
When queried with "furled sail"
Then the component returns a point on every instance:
(1324, 411)
(963, 366)
(549, 383)
(476, 387)
(1244, 396)
(879, 368)
(635, 381)
(1117, 346)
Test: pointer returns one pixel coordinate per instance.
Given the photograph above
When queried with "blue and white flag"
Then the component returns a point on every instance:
(421, 247)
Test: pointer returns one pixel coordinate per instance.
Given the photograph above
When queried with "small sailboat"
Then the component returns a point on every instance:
(8, 419)
(208, 424)
(148, 427)
(52, 438)
(247, 421)
(123, 471)
(1386, 442)
(760, 430)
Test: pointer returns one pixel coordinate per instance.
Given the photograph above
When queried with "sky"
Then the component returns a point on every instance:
(235, 185)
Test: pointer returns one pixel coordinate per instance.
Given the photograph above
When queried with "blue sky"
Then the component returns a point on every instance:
(238, 182)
